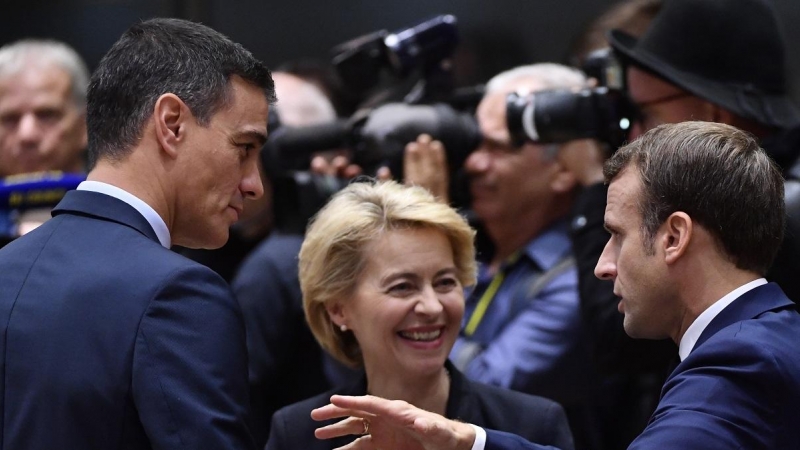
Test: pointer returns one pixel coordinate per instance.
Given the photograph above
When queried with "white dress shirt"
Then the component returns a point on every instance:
(480, 438)
(697, 327)
(150, 214)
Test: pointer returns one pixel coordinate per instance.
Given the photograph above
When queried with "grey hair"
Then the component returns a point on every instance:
(15, 55)
(304, 107)
(547, 75)
(550, 75)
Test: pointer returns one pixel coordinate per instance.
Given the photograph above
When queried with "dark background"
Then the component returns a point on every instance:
(495, 34)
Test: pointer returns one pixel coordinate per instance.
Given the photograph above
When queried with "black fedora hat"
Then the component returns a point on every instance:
(729, 52)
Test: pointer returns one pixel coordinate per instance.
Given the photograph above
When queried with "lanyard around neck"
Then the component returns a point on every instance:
(488, 295)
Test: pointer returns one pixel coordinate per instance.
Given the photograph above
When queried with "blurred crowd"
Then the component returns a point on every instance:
(383, 182)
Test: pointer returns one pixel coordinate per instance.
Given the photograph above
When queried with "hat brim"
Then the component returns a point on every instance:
(771, 110)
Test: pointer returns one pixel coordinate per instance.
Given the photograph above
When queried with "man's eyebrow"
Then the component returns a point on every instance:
(258, 136)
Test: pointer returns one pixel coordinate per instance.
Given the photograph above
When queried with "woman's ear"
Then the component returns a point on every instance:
(336, 313)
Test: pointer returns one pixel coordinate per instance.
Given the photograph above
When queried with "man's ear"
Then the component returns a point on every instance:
(677, 235)
(170, 115)
(336, 313)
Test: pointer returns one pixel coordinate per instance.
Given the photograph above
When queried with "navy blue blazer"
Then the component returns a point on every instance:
(111, 341)
(739, 388)
(534, 418)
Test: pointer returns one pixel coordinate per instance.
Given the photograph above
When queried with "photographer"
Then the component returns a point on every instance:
(523, 329)
(672, 78)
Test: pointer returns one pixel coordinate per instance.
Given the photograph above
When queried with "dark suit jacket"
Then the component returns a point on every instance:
(111, 341)
(740, 385)
(535, 418)
(268, 291)
(737, 389)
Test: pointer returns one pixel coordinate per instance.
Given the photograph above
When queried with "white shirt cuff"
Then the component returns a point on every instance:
(480, 438)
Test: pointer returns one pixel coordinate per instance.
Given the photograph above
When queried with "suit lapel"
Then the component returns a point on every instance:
(751, 304)
(105, 207)
(461, 401)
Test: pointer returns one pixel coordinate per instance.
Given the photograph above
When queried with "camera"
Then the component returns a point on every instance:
(406, 88)
(604, 112)
(374, 139)
(414, 52)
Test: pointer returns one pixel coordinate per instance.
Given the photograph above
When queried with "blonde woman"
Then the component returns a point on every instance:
(382, 270)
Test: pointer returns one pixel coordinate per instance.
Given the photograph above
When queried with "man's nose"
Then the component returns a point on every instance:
(29, 128)
(251, 185)
(478, 161)
(606, 268)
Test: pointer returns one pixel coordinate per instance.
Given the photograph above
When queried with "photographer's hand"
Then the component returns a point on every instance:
(425, 164)
(339, 166)
(584, 158)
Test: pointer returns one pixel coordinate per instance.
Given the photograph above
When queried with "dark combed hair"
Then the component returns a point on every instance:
(156, 57)
(720, 177)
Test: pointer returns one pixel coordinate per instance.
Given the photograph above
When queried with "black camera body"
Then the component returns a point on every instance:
(554, 116)
(413, 54)
(604, 112)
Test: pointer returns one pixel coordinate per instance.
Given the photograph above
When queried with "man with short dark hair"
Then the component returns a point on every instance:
(696, 215)
(111, 340)
(695, 211)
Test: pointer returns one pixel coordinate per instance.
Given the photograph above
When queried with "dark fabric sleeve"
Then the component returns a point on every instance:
(277, 434)
(498, 440)
(268, 290)
(724, 396)
(189, 380)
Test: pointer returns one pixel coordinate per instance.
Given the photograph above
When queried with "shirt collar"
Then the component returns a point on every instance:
(150, 214)
(697, 327)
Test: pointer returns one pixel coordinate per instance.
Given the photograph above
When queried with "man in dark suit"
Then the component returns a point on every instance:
(109, 339)
(696, 216)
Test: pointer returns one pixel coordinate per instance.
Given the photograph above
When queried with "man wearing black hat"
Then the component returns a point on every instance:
(721, 61)
(711, 60)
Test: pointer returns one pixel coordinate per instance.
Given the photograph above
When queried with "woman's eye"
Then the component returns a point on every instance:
(447, 283)
(401, 287)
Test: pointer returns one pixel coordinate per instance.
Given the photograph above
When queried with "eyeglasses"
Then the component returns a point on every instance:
(648, 121)
(665, 99)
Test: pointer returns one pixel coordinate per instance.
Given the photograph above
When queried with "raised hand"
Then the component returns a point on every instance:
(393, 424)
(425, 164)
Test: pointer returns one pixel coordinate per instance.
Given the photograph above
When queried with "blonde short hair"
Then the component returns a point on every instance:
(332, 256)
